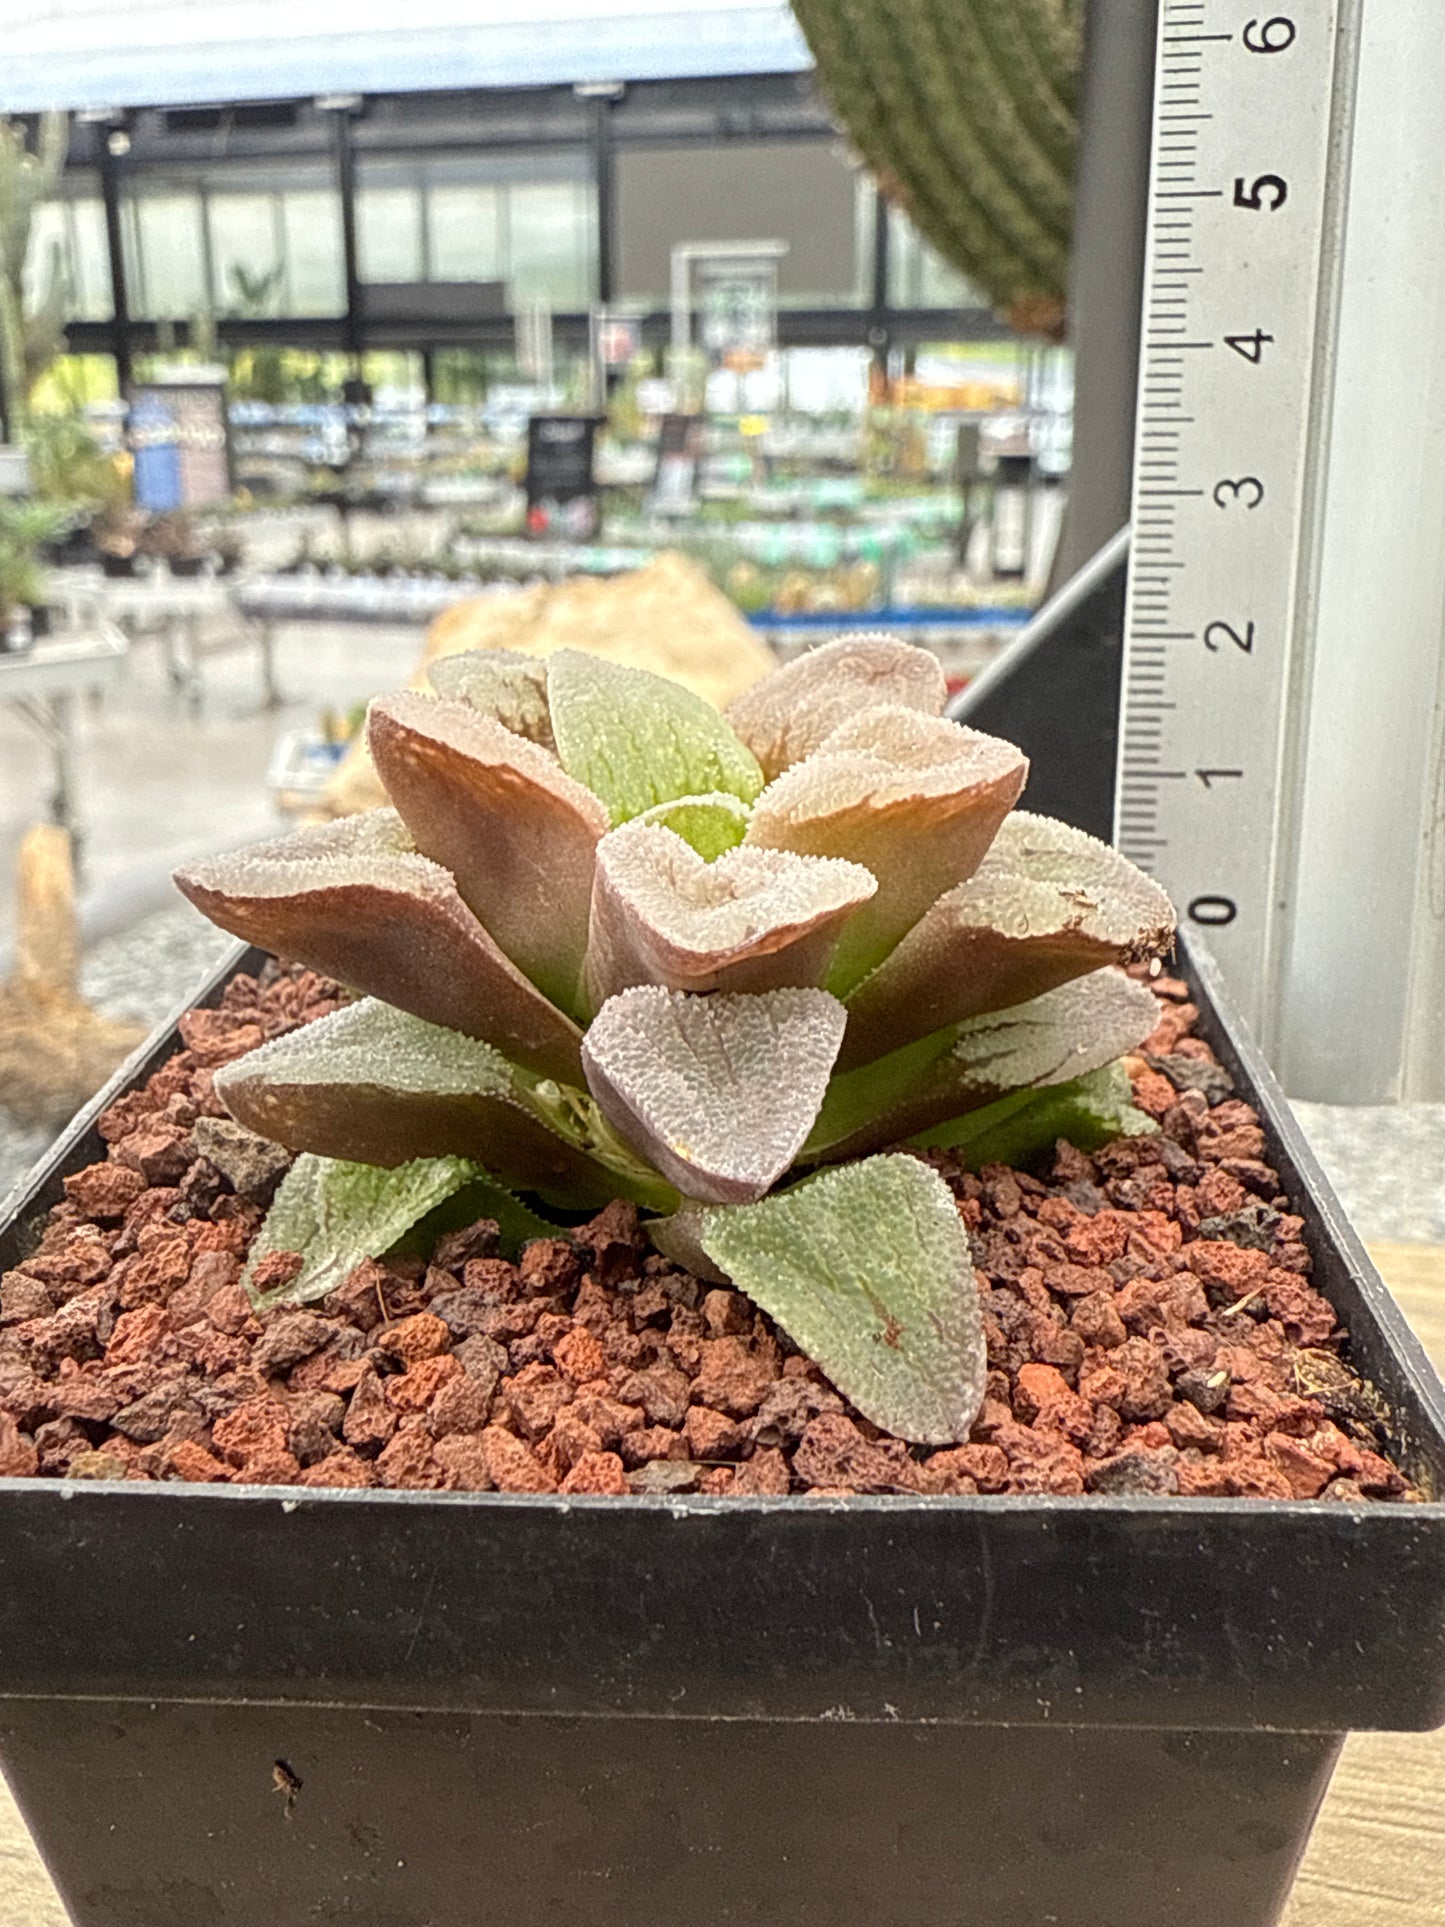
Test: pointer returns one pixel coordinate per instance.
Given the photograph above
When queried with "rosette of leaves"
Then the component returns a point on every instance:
(609, 943)
(967, 112)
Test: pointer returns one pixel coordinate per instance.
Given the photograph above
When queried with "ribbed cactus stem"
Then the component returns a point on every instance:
(966, 112)
(29, 339)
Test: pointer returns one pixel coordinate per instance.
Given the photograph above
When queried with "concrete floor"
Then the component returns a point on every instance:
(159, 781)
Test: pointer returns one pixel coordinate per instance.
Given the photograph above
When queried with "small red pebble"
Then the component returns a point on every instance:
(731, 1378)
(712, 1435)
(105, 1191)
(580, 1356)
(275, 1271)
(423, 1335)
(409, 1461)
(511, 1466)
(255, 1428)
(341, 1468)
(137, 1336)
(18, 1456)
(597, 1473)
(188, 1460)
(414, 1391)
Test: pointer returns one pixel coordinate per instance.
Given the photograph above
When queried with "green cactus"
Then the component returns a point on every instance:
(29, 340)
(966, 110)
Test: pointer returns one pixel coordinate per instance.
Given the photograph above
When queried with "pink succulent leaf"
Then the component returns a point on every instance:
(717, 1092)
(915, 799)
(518, 835)
(350, 899)
(1065, 1033)
(500, 683)
(749, 920)
(1047, 903)
(372, 1085)
(787, 715)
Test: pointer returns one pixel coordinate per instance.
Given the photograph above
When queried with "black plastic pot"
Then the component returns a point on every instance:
(987, 1712)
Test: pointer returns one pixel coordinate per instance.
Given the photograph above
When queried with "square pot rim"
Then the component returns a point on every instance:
(1295, 1590)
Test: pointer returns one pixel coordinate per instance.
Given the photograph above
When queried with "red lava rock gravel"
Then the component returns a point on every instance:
(1151, 1328)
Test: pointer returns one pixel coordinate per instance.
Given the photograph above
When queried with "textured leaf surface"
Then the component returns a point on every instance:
(516, 832)
(1046, 904)
(708, 824)
(915, 799)
(502, 684)
(354, 900)
(1066, 1033)
(1087, 1111)
(717, 1092)
(373, 1085)
(750, 920)
(678, 1236)
(787, 715)
(335, 1214)
(480, 1197)
(868, 1269)
(636, 739)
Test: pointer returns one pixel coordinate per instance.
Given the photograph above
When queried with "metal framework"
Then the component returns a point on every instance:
(603, 121)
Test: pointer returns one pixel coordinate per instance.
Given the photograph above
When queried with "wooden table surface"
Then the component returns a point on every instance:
(1377, 1857)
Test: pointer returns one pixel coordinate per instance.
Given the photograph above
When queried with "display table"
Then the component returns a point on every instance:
(41, 687)
(195, 617)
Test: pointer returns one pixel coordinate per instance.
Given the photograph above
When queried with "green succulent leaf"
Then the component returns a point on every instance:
(481, 1197)
(335, 1213)
(709, 824)
(373, 1085)
(868, 1269)
(637, 740)
(500, 683)
(1088, 1112)
(1064, 1034)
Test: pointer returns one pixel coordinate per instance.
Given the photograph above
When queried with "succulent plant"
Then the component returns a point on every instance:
(610, 943)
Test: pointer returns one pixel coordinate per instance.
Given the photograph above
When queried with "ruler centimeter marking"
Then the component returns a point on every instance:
(1237, 223)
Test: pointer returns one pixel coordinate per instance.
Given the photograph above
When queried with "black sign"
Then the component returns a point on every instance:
(562, 497)
(679, 449)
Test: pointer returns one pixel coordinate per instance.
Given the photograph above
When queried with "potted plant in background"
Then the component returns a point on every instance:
(116, 537)
(723, 968)
(171, 537)
(25, 528)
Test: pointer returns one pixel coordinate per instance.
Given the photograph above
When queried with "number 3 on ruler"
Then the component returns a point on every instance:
(1248, 489)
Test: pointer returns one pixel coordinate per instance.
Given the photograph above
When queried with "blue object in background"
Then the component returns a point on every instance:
(155, 441)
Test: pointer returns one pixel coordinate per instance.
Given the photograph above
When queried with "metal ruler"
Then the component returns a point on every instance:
(1234, 374)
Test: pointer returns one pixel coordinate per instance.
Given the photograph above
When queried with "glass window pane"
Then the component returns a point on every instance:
(918, 276)
(551, 233)
(168, 230)
(49, 235)
(315, 264)
(465, 229)
(388, 233)
(244, 254)
(91, 261)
